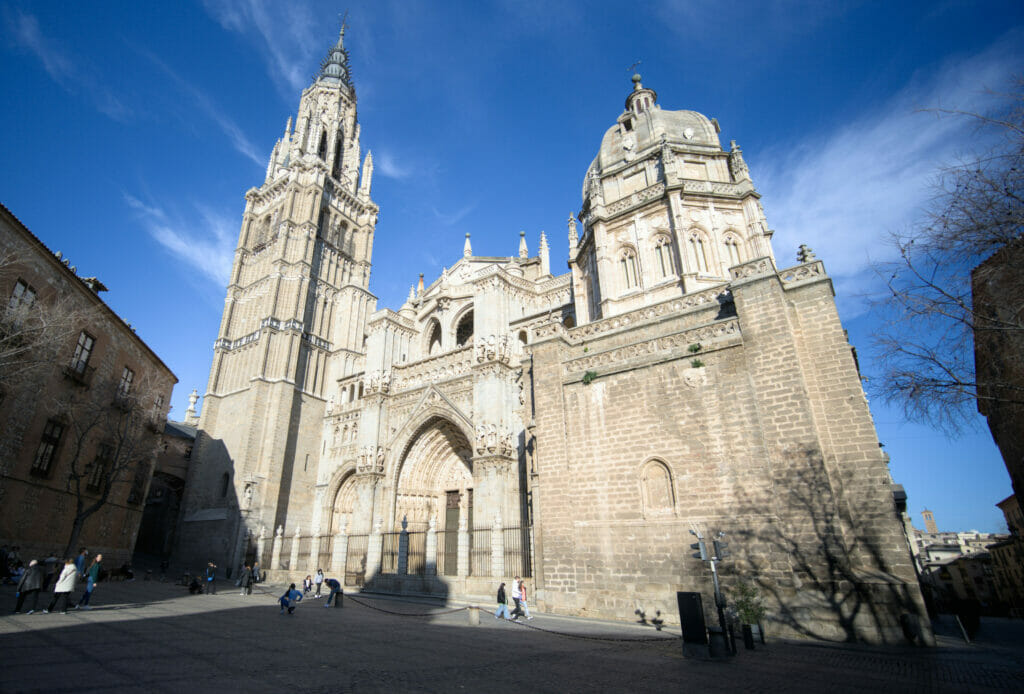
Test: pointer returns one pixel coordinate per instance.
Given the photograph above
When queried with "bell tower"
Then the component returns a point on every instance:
(294, 319)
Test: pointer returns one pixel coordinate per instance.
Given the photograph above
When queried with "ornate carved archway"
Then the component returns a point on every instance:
(437, 461)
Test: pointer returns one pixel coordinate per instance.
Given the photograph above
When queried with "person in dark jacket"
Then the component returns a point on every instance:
(92, 577)
(335, 587)
(29, 586)
(502, 603)
(245, 580)
(211, 578)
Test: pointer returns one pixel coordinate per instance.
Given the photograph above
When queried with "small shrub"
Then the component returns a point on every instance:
(697, 363)
(588, 377)
(747, 602)
(694, 348)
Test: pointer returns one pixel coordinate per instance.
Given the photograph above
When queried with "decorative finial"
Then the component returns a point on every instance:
(574, 237)
(805, 254)
(467, 250)
(523, 252)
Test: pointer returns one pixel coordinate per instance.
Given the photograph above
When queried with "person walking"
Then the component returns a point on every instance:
(92, 577)
(29, 586)
(502, 603)
(518, 611)
(256, 572)
(65, 584)
(288, 600)
(211, 578)
(522, 599)
(335, 588)
(245, 580)
(80, 562)
(319, 581)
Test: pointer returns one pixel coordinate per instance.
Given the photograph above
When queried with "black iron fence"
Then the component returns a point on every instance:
(323, 559)
(517, 552)
(480, 552)
(389, 553)
(447, 553)
(355, 560)
(284, 561)
(417, 553)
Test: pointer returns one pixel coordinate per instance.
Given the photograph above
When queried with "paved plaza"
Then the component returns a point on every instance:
(153, 637)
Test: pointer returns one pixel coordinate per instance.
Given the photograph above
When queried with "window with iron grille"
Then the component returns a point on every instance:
(83, 350)
(104, 455)
(126, 381)
(47, 451)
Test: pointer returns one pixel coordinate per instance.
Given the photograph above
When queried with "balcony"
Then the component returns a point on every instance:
(79, 373)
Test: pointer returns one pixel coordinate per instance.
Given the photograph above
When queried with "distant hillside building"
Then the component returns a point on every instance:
(568, 428)
(63, 413)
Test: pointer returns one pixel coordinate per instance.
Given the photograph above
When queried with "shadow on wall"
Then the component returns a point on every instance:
(210, 527)
(818, 580)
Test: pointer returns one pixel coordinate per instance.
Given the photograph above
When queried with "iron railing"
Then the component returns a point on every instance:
(355, 560)
(389, 553)
(517, 552)
(480, 552)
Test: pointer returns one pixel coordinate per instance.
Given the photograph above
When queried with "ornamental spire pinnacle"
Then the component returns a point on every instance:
(334, 67)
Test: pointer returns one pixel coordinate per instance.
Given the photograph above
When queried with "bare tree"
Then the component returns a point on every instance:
(113, 434)
(929, 320)
(34, 329)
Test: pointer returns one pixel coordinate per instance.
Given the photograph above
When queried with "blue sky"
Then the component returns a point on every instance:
(131, 131)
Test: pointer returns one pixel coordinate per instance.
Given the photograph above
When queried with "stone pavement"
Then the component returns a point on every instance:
(153, 637)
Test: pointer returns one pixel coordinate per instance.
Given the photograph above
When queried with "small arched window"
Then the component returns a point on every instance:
(656, 489)
(225, 480)
(434, 338)
(732, 250)
(464, 331)
(321, 151)
(698, 252)
(523, 337)
(336, 168)
(627, 262)
(663, 257)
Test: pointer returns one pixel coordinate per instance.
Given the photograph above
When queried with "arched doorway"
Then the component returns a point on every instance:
(343, 505)
(435, 481)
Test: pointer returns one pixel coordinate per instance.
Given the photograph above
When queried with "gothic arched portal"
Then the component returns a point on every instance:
(436, 468)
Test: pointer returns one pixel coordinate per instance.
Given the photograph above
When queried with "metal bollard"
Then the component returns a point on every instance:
(474, 615)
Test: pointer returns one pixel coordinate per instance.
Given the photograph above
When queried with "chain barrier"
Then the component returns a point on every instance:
(404, 614)
(584, 637)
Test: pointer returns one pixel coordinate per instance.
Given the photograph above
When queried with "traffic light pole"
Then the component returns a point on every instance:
(719, 552)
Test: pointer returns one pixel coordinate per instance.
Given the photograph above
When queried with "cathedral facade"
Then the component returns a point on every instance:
(574, 429)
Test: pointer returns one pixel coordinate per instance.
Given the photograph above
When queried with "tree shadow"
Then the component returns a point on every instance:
(825, 572)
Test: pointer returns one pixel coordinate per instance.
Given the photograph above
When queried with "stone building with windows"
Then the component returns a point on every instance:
(569, 428)
(81, 416)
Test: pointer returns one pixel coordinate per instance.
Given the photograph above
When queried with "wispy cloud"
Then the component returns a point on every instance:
(206, 105)
(207, 247)
(387, 165)
(453, 218)
(71, 72)
(286, 33)
(845, 190)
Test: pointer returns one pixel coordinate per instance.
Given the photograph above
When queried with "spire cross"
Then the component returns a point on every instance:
(632, 68)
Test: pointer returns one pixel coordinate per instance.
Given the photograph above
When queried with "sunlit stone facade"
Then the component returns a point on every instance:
(569, 428)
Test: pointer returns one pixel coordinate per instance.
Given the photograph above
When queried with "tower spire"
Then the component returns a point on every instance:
(334, 67)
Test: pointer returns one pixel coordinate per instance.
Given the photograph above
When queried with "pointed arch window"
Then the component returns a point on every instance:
(698, 252)
(336, 168)
(656, 488)
(663, 257)
(464, 332)
(733, 251)
(627, 264)
(321, 151)
(434, 339)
